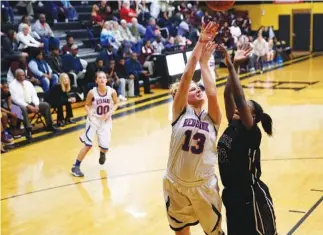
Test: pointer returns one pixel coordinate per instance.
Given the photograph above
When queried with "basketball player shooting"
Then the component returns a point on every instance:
(248, 203)
(190, 185)
(101, 103)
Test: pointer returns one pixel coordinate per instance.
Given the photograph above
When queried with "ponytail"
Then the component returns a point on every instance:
(267, 124)
(264, 118)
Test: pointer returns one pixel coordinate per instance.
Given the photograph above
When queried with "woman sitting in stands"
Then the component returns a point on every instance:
(58, 97)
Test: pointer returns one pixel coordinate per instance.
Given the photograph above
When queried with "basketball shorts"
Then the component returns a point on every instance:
(251, 212)
(99, 128)
(188, 206)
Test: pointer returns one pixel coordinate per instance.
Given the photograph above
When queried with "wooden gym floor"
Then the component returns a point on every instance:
(124, 197)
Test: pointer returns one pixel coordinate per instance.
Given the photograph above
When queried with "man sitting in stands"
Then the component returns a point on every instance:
(24, 95)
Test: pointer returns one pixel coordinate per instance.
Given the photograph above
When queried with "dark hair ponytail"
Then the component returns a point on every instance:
(267, 124)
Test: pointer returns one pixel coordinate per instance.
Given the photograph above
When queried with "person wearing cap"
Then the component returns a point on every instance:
(72, 64)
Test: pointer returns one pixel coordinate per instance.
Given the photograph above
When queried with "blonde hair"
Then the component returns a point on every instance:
(65, 88)
(174, 87)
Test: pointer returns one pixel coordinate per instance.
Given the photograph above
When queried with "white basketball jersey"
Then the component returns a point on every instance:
(101, 104)
(192, 155)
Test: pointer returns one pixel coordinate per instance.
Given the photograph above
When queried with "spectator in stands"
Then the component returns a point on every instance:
(136, 29)
(271, 53)
(235, 32)
(26, 41)
(119, 84)
(146, 51)
(9, 47)
(135, 71)
(152, 31)
(107, 37)
(122, 73)
(27, 6)
(42, 71)
(108, 54)
(21, 63)
(97, 19)
(91, 71)
(45, 32)
(170, 44)
(55, 61)
(119, 39)
(11, 111)
(24, 95)
(126, 13)
(58, 97)
(184, 28)
(260, 49)
(25, 20)
(72, 65)
(7, 12)
(69, 11)
(143, 11)
(6, 138)
(226, 35)
(158, 45)
(69, 43)
(127, 36)
(109, 14)
(53, 9)
(206, 18)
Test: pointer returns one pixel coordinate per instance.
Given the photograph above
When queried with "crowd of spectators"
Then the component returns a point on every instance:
(42, 73)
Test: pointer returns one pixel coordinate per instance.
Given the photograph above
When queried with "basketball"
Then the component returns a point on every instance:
(219, 5)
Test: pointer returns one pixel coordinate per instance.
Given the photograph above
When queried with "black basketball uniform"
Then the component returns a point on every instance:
(248, 203)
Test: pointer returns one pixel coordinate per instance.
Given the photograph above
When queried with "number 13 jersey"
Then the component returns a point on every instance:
(192, 154)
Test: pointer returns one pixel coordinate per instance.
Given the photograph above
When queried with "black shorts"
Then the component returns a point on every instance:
(249, 210)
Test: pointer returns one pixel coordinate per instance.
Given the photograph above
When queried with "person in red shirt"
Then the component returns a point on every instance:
(126, 13)
(96, 18)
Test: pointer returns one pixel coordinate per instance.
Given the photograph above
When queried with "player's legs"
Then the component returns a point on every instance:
(104, 136)
(207, 204)
(180, 213)
(266, 219)
(239, 212)
(87, 139)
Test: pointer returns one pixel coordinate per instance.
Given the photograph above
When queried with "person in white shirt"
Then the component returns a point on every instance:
(235, 32)
(25, 40)
(24, 95)
(260, 49)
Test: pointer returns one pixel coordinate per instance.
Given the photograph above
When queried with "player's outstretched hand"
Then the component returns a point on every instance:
(223, 50)
(207, 52)
(242, 53)
(208, 32)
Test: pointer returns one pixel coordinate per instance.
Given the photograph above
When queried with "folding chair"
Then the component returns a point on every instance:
(37, 118)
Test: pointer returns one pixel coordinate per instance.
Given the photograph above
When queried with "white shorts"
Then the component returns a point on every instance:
(188, 206)
(101, 129)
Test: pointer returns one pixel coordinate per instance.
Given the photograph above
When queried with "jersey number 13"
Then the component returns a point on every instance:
(200, 141)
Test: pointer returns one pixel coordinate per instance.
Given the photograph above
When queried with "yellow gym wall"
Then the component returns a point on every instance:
(267, 14)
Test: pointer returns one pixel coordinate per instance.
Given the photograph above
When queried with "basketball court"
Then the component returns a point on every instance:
(125, 197)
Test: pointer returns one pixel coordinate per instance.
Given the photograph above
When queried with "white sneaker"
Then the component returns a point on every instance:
(66, 20)
(55, 21)
(122, 98)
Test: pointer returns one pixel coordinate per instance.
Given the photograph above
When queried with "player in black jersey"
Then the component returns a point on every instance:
(248, 203)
